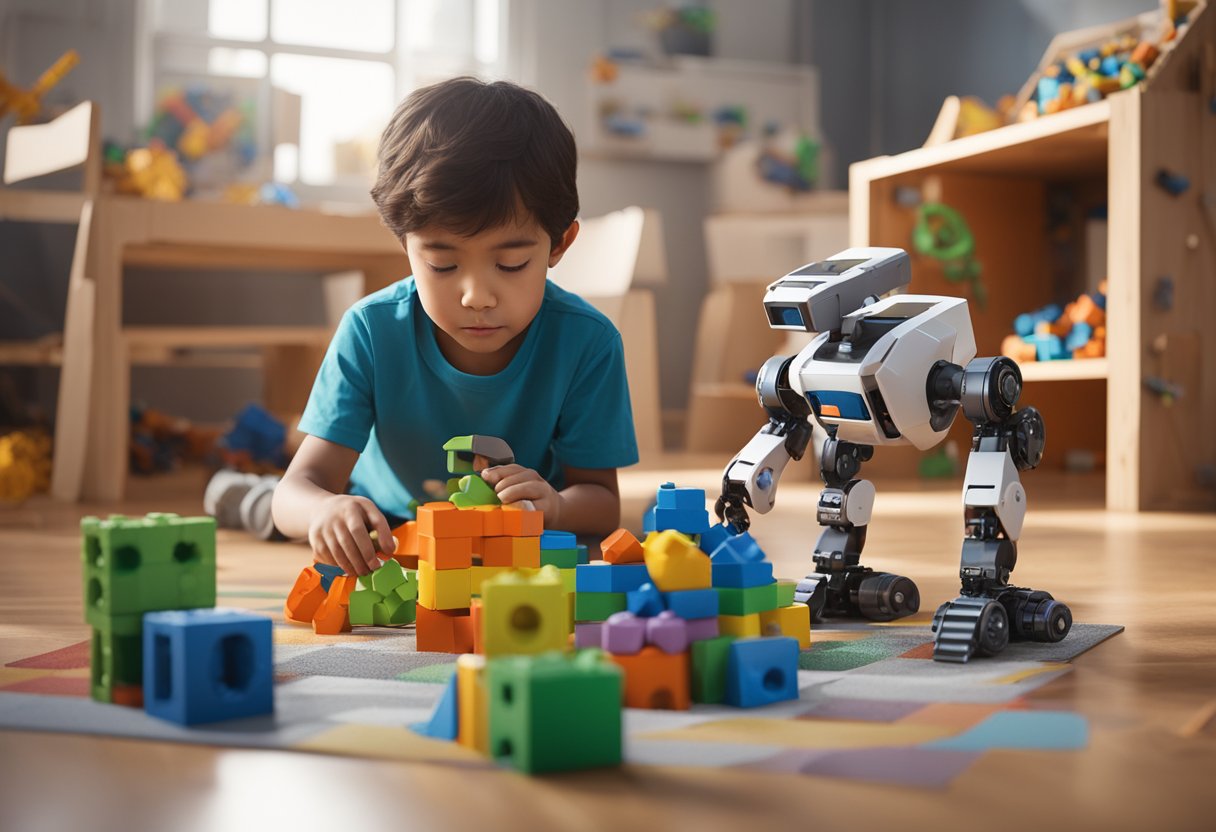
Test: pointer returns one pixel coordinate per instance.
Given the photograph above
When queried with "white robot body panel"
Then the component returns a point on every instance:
(872, 392)
(992, 482)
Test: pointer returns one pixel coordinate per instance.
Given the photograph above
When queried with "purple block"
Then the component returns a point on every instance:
(588, 634)
(623, 634)
(668, 632)
(700, 629)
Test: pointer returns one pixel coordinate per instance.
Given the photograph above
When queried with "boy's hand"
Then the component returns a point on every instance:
(340, 534)
(513, 483)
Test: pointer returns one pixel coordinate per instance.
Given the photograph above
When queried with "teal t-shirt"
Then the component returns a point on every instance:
(384, 389)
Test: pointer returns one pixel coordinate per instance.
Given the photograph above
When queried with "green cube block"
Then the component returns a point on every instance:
(138, 565)
(709, 659)
(388, 577)
(597, 606)
(785, 592)
(115, 659)
(551, 712)
(362, 604)
(394, 612)
(474, 491)
(747, 601)
(407, 590)
(561, 558)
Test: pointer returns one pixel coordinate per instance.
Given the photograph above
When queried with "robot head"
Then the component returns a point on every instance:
(818, 296)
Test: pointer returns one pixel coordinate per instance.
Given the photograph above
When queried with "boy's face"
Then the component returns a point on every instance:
(483, 291)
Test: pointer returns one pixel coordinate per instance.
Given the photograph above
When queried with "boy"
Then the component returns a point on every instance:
(477, 181)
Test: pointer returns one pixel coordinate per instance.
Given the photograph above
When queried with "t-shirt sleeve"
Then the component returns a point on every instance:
(595, 426)
(341, 407)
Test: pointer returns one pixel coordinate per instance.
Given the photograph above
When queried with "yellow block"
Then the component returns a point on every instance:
(675, 562)
(524, 614)
(481, 574)
(443, 589)
(569, 580)
(471, 702)
(793, 621)
(525, 552)
(740, 626)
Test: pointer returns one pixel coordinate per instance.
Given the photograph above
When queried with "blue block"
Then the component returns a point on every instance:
(1078, 337)
(207, 665)
(742, 548)
(445, 719)
(583, 555)
(742, 575)
(692, 603)
(686, 520)
(648, 520)
(645, 602)
(328, 573)
(602, 577)
(715, 536)
(557, 540)
(761, 671)
(668, 496)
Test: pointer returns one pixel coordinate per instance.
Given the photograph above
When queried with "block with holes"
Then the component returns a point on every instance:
(524, 614)
(207, 665)
(761, 671)
(656, 680)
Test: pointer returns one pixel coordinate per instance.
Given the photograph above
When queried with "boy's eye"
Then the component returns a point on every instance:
(518, 268)
(442, 269)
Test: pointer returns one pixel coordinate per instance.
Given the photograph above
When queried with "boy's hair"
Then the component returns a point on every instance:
(466, 155)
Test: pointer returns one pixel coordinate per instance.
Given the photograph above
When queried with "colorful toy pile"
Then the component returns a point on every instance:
(1051, 333)
(158, 641)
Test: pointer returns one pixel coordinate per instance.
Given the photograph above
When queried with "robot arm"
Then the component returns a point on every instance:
(752, 476)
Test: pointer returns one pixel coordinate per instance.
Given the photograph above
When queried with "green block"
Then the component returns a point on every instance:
(561, 558)
(754, 599)
(407, 590)
(785, 592)
(457, 465)
(597, 606)
(362, 604)
(709, 658)
(138, 565)
(551, 712)
(393, 612)
(115, 660)
(130, 624)
(388, 577)
(474, 491)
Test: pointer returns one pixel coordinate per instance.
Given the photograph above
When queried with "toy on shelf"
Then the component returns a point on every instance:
(942, 233)
(27, 103)
(1051, 333)
(160, 442)
(25, 465)
(888, 371)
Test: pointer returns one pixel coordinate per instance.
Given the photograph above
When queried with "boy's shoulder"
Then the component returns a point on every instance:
(568, 308)
(396, 295)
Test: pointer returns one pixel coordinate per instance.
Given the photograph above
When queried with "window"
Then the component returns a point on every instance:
(318, 79)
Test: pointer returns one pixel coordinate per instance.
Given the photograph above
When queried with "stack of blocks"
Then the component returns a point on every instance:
(149, 588)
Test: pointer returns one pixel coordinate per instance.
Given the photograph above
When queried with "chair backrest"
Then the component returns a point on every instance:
(71, 140)
(602, 261)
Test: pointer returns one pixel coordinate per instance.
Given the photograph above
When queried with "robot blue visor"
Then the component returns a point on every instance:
(786, 316)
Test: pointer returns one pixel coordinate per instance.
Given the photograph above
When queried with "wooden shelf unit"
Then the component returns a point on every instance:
(1158, 453)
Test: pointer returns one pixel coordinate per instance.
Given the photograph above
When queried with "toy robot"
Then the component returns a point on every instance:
(886, 371)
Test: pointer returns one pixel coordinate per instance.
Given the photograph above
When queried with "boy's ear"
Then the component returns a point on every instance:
(555, 254)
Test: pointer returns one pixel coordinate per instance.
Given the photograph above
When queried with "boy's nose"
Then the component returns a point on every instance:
(477, 295)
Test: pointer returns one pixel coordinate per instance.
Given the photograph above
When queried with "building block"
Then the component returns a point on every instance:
(553, 539)
(584, 556)
(525, 552)
(670, 497)
(688, 521)
(644, 601)
(569, 579)
(361, 607)
(443, 589)
(588, 634)
(655, 680)
(436, 629)
(472, 703)
(702, 628)
(497, 551)
(406, 536)
(207, 665)
(709, 660)
(333, 616)
(761, 671)
(742, 575)
(474, 491)
(491, 521)
(523, 614)
(741, 548)
(668, 632)
(388, 577)
(597, 606)
(446, 552)
(555, 713)
(570, 613)
(715, 536)
(520, 522)
(604, 577)
(785, 591)
(478, 575)
(445, 719)
(440, 520)
(328, 573)
(692, 603)
(675, 562)
(116, 660)
(476, 626)
(622, 547)
(462, 633)
(623, 633)
(740, 626)
(395, 610)
(735, 601)
(792, 620)
(305, 597)
(561, 558)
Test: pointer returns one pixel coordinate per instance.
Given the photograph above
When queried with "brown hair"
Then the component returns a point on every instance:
(466, 155)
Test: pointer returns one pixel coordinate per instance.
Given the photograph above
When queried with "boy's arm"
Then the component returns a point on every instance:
(309, 503)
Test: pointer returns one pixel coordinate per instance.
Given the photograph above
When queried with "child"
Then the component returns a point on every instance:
(477, 181)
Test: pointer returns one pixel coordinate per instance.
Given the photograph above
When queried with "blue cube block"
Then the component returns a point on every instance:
(206, 665)
(686, 520)
(742, 548)
(692, 603)
(742, 575)
(716, 536)
(550, 539)
(604, 577)
(645, 602)
(648, 520)
(669, 496)
(761, 671)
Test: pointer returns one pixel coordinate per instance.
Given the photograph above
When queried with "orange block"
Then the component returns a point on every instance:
(463, 633)
(622, 547)
(496, 551)
(305, 597)
(491, 520)
(525, 552)
(333, 616)
(132, 696)
(436, 629)
(475, 620)
(407, 538)
(446, 552)
(445, 520)
(655, 680)
(518, 522)
(407, 561)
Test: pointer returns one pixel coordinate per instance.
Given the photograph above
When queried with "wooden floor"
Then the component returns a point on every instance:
(1150, 694)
